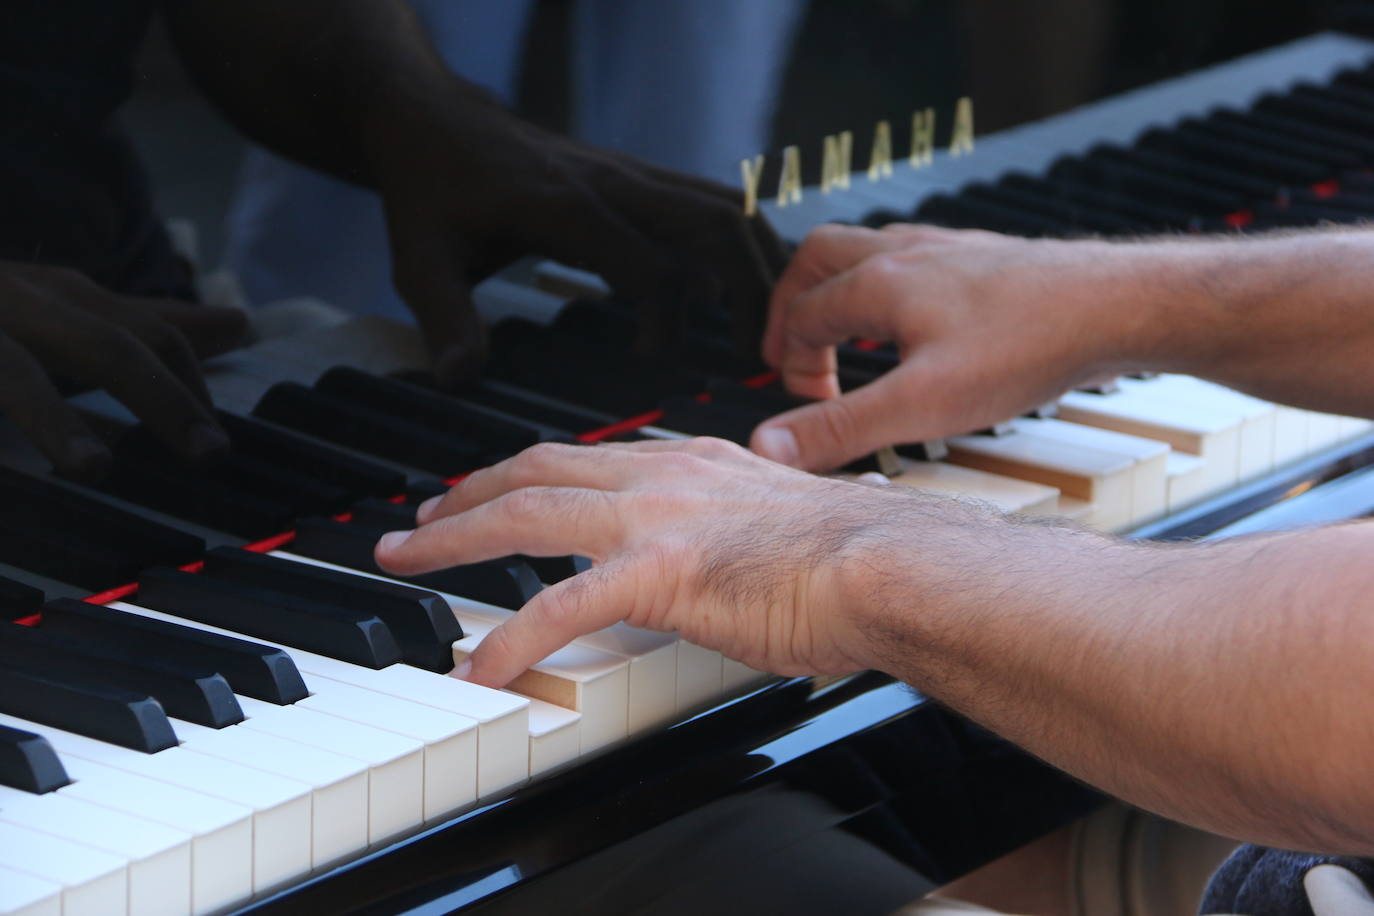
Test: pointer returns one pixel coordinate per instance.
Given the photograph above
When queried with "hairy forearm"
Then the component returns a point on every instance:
(316, 80)
(1222, 685)
(1287, 316)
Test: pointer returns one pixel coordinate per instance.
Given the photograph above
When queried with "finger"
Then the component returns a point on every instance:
(582, 604)
(829, 434)
(167, 341)
(430, 274)
(549, 464)
(538, 521)
(30, 401)
(209, 329)
(865, 301)
(827, 252)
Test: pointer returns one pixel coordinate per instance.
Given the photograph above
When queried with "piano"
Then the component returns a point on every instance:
(187, 725)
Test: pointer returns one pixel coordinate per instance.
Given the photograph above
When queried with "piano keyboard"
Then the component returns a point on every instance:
(236, 725)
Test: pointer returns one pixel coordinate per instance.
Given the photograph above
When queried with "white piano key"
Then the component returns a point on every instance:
(1290, 434)
(500, 721)
(24, 895)
(554, 736)
(94, 883)
(1149, 470)
(1102, 479)
(1187, 480)
(594, 683)
(395, 794)
(1207, 432)
(1255, 453)
(450, 771)
(652, 657)
(281, 807)
(1004, 493)
(338, 814)
(222, 844)
(1323, 431)
(700, 676)
(735, 676)
(158, 857)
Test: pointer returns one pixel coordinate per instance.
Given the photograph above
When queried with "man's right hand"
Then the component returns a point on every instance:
(988, 326)
(54, 322)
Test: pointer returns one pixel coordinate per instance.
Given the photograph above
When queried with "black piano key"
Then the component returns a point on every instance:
(384, 514)
(314, 626)
(28, 762)
(252, 669)
(552, 570)
(960, 212)
(110, 714)
(872, 363)
(1353, 96)
(1277, 123)
(505, 582)
(205, 501)
(1128, 179)
(369, 431)
(18, 600)
(421, 622)
(930, 450)
(429, 408)
(769, 399)
(537, 408)
(1144, 212)
(1044, 200)
(74, 538)
(723, 421)
(1330, 158)
(1318, 110)
(357, 475)
(417, 491)
(1249, 187)
(186, 690)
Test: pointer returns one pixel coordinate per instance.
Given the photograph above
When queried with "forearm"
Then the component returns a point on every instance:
(1288, 317)
(1225, 685)
(318, 81)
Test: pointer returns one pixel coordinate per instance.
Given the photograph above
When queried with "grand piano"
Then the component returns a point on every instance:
(729, 789)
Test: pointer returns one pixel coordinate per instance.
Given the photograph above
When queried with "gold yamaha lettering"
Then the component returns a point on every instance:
(837, 154)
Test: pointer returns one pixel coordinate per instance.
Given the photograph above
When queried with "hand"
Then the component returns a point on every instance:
(56, 322)
(988, 326)
(698, 536)
(473, 188)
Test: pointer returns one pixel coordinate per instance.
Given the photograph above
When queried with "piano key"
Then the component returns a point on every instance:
(1045, 200)
(1255, 454)
(1190, 143)
(297, 453)
(421, 623)
(555, 736)
(1187, 480)
(252, 669)
(321, 627)
(28, 762)
(1149, 473)
(196, 498)
(1179, 191)
(192, 692)
(281, 807)
(1148, 212)
(595, 675)
(1247, 186)
(969, 213)
(338, 784)
(1102, 479)
(1321, 111)
(18, 600)
(369, 431)
(221, 831)
(1204, 431)
(596, 684)
(1004, 493)
(431, 409)
(1332, 158)
(395, 787)
(128, 719)
(94, 883)
(158, 858)
(24, 895)
(1278, 123)
(537, 408)
(445, 713)
(505, 582)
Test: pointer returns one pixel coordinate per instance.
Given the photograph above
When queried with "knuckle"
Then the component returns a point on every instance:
(711, 447)
(523, 505)
(838, 422)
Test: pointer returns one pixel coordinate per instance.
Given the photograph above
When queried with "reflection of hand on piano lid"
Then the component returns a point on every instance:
(56, 323)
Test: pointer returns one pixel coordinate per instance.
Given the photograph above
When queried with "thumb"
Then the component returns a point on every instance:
(829, 434)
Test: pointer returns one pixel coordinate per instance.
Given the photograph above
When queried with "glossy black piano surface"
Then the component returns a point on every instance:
(853, 796)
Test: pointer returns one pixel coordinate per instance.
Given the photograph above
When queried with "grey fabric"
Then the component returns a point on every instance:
(1257, 881)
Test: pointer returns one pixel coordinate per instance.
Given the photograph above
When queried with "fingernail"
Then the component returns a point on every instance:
(873, 478)
(463, 669)
(204, 440)
(778, 444)
(393, 540)
(427, 508)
